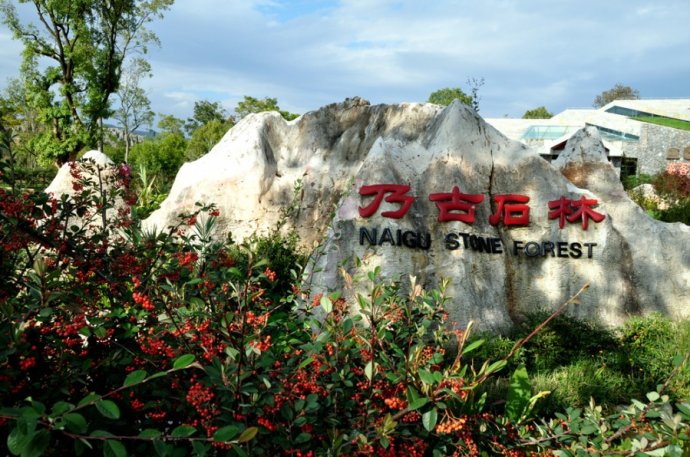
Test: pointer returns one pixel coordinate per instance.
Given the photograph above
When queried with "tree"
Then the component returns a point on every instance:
(21, 122)
(445, 97)
(205, 137)
(254, 105)
(205, 112)
(538, 113)
(135, 108)
(163, 155)
(73, 57)
(618, 92)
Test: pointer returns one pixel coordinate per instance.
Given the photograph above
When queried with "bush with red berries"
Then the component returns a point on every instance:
(118, 342)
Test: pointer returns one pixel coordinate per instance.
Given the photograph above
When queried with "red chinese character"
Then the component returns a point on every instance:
(584, 211)
(561, 208)
(398, 196)
(513, 209)
(456, 201)
(564, 208)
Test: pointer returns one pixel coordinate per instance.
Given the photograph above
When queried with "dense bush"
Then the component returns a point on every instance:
(673, 201)
(118, 342)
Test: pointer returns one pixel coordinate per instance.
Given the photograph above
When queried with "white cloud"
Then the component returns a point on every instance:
(311, 52)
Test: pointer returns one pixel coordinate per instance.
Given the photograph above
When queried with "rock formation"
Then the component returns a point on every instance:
(96, 169)
(438, 193)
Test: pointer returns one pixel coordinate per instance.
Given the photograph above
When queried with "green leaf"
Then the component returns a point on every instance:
(429, 419)
(60, 408)
(150, 433)
(162, 449)
(160, 374)
(108, 409)
(425, 376)
(197, 302)
(412, 394)
(17, 441)
(135, 377)
(347, 326)
(248, 434)
(38, 443)
(183, 431)
(112, 448)
(183, 361)
(200, 449)
(369, 369)
(302, 438)
(90, 398)
(472, 346)
(684, 409)
(226, 433)
(653, 396)
(76, 423)
(100, 332)
(418, 403)
(519, 394)
(326, 304)
(496, 366)
(306, 362)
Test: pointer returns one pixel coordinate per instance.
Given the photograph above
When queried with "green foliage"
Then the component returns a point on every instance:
(632, 181)
(73, 56)
(563, 341)
(646, 353)
(673, 201)
(575, 383)
(206, 112)
(118, 342)
(538, 113)
(664, 121)
(445, 97)
(254, 105)
(617, 92)
(134, 110)
(149, 198)
(163, 155)
(205, 137)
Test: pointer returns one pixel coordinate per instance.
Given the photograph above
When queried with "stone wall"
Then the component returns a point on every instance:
(659, 146)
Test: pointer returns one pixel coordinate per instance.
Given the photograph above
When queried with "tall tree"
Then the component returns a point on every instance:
(135, 108)
(617, 92)
(204, 112)
(73, 55)
(537, 113)
(254, 105)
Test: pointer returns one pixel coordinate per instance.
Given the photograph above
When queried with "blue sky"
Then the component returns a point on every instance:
(555, 53)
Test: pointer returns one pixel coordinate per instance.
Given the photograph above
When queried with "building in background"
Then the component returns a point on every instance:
(640, 136)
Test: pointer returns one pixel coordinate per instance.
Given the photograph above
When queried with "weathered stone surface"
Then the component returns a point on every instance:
(632, 263)
(96, 168)
(63, 180)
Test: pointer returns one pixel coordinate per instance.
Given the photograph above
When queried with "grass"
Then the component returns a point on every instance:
(577, 360)
(664, 121)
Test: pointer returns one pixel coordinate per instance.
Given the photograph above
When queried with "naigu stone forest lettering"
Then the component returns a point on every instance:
(509, 230)
(511, 209)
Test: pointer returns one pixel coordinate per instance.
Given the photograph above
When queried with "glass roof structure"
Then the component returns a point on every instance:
(547, 132)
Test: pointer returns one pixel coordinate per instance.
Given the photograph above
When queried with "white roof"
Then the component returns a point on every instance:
(675, 108)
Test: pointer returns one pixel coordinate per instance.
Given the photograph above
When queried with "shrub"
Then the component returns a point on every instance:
(115, 341)
(563, 341)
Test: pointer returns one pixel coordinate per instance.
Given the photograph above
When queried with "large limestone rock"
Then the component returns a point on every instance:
(314, 173)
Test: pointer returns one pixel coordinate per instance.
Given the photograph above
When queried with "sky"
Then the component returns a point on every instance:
(554, 53)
